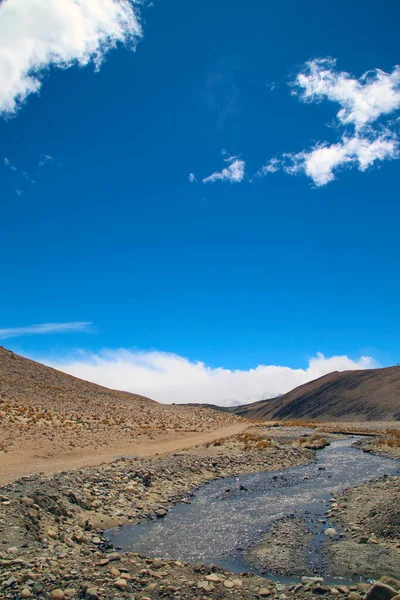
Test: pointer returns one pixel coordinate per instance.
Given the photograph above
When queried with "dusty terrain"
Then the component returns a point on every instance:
(51, 526)
(364, 395)
(368, 520)
(51, 421)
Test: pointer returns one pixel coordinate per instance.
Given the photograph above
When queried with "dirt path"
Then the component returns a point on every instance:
(13, 466)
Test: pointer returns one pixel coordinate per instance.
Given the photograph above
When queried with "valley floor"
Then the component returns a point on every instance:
(51, 524)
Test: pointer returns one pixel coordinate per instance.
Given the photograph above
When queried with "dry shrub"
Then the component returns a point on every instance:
(300, 423)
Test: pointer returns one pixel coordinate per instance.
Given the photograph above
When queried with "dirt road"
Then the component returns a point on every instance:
(16, 465)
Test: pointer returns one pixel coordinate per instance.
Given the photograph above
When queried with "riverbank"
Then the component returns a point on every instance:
(50, 526)
(368, 520)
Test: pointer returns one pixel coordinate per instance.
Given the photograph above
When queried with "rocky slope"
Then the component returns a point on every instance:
(364, 395)
(46, 413)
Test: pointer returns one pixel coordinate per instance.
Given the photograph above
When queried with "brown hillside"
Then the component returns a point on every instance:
(364, 395)
(49, 413)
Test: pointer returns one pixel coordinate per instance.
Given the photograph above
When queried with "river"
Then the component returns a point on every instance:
(227, 516)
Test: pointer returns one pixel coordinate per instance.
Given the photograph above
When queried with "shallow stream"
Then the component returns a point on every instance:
(227, 516)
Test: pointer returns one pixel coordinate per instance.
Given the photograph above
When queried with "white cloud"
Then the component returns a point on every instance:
(362, 100)
(234, 173)
(272, 166)
(39, 34)
(374, 95)
(42, 328)
(171, 378)
(8, 164)
(192, 178)
(46, 158)
(324, 160)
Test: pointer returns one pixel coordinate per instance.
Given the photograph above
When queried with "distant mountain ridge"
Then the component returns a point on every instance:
(362, 395)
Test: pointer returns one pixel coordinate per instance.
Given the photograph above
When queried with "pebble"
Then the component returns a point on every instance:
(213, 577)
(51, 534)
(330, 532)
(207, 586)
(27, 501)
(121, 584)
(57, 595)
(25, 593)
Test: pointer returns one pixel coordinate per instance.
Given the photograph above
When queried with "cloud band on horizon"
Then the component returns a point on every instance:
(168, 378)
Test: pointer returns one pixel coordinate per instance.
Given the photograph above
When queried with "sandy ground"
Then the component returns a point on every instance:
(19, 464)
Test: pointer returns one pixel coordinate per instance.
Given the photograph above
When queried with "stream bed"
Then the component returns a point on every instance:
(228, 516)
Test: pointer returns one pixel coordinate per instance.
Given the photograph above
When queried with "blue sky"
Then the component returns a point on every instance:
(100, 223)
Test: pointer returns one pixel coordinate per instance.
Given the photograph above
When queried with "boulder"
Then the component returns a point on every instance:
(394, 583)
(380, 591)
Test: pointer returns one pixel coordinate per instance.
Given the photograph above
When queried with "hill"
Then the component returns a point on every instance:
(47, 413)
(364, 395)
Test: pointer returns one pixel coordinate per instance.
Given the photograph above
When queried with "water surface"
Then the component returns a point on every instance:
(226, 516)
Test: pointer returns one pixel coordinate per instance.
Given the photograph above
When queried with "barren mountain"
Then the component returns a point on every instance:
(364, 395)
(46, 413)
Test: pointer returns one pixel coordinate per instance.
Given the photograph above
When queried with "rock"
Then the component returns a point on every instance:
(380, 591)
(206, 586)
(70, 592)
(213, 577)
(27, 502)
(237, 583)
(264, 592)
(228, 584)
(321, 589)
(10, 581)
(330, 532)
(96, 540)
(91, 594)
(57, 595)
(363, 540)
(157, 563)
(115, 572)
(312, 580)
(121, 584)
(51, 534)
(161, 513)
(25, 593)
(391, 581)
(37, 588)
(343, 589)
(113, 556)
(96, 504)
(354, 596)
